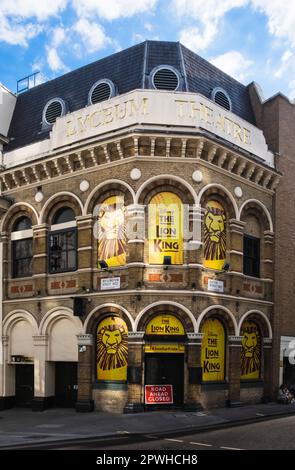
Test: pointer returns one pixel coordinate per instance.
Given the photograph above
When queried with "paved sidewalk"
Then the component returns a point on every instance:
(23, 427)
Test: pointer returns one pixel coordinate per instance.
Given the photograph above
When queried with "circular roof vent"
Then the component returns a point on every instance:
(166, 78)
(101, 91)
(221, 97)
(54, 108)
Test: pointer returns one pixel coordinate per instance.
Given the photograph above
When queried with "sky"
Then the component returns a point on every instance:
(251, 40)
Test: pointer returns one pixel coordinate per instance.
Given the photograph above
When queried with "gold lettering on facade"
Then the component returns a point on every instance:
(83, 123)
(120, 110)
(107, 115)
(189, 109)
(179, 107)
(206, 114)
(138, 109)
(95, 120)
(70, 129)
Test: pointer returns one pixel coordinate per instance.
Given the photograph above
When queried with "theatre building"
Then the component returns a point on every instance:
(137, 235)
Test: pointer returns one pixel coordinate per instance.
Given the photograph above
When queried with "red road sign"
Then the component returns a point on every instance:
(159, 394)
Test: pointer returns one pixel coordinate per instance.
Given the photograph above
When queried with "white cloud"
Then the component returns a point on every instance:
(137, 38)
(287, 64)
(40, 9)
(149, 26)
(15, 33)
(113, 9)
(54, 61)
(92, 35)
(59, 36)
(205, 10)
(18, 18)
(233, 63)
(281, 17)
(196, 39)
(207, 14)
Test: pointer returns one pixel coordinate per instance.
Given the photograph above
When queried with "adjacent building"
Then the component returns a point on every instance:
(138, 229)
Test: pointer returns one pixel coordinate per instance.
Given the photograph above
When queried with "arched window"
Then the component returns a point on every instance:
(214, 235)
(63, 242)
(252, 244)
(165, 229)
(251, 351)
(111, 349)
(63, 215)
(112, 242)
(213, 350)
(22, 247)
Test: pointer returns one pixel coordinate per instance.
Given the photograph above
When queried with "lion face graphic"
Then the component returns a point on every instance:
(112, 347)
(250, 355)
(111, 340)
(214, 232)
(112, 233)
(249, 343)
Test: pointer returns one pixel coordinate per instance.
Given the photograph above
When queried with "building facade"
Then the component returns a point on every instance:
(137, 237)
(275, 117)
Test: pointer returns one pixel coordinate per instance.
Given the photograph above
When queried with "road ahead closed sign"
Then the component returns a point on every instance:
(159, 394)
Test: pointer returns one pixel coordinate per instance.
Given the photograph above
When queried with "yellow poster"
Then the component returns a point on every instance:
(112, 231)
(165, 228)
(165, 325)
(112, 349)
(214, 236)
(251, 351)
(213, 350)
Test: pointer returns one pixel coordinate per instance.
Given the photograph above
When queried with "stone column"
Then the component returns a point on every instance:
(268, 253)
(7, 398)
(135, 231)
(267, 376)
(44, 375)
(4, 264)
(85, 347)
(85, 251)
(236, 254)
(234, 371)
(194, 252)
(193, 396)
(40, 258)
(236, 244)
(135, 400)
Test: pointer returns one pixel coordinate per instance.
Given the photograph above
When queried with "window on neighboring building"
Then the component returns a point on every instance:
(251, 256)
(63, 242)
(22, 248)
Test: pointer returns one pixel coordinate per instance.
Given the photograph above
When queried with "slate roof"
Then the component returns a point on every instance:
(128, 69)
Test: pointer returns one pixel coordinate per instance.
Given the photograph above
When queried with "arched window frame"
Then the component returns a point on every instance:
(62, 246)
(22, 251)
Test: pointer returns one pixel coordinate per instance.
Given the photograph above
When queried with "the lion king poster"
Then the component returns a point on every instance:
(112, 231)
(165, 228)
(251, 351)
(112, 349)
(214, 236)
(213, 350)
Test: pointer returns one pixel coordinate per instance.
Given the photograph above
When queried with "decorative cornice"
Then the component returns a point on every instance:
(234, 340)
(135, 335)
(40, 340)
(115, 151)
(196, 338)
